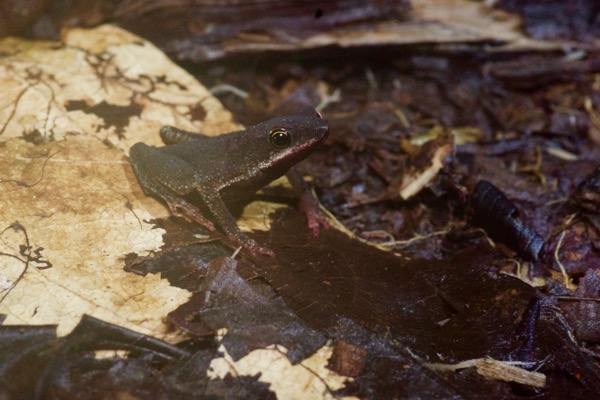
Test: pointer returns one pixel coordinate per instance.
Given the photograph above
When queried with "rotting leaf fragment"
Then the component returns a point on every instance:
(499, 217)
(98, 360)
(583, 309)
(587, 195)
(422, 167)
(348, 359)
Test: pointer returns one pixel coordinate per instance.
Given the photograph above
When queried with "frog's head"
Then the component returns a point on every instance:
(286, 140)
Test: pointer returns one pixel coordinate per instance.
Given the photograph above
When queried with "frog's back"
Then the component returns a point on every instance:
(247, 160)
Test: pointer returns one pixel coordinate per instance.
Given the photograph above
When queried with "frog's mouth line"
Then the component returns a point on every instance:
(323, 133)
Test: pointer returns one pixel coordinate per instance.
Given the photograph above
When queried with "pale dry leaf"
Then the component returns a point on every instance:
(83, 103)
(310, 379)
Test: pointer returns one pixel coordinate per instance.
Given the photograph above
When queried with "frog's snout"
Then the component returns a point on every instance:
(323, 131)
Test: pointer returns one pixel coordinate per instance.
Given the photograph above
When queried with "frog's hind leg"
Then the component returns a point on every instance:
(184, 209)
(140, 154)
(171, 135)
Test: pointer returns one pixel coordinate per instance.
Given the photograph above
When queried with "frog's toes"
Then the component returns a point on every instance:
(315, 221)
(313, 225)
(253, 247)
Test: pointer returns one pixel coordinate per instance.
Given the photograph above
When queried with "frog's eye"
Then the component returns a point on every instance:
(280, 138)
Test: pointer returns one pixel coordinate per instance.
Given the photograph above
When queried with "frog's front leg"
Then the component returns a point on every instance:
(308, 202)
(152, 169)
(212, 199)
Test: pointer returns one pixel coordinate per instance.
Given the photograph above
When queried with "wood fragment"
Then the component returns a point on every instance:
(497, 370)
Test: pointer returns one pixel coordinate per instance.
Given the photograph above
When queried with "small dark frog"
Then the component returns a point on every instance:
(230, 166)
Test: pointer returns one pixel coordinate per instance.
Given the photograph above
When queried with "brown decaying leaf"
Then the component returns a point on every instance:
(583, 309)
(205, 30)
(449, 310)
(253, 317)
